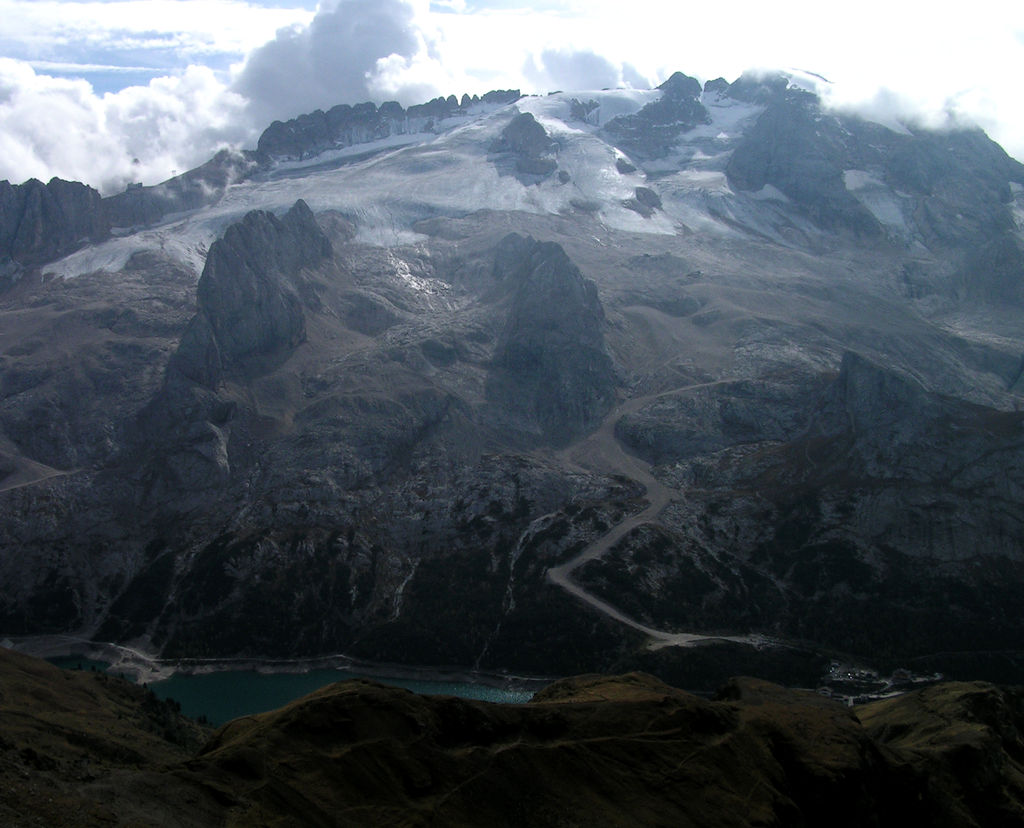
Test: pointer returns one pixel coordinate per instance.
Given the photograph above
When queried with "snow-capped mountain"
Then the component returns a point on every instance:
(529, 383)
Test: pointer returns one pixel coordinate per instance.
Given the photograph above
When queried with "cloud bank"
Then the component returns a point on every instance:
(222, 70)
(58, 127)
(339, 58)
(556, 69)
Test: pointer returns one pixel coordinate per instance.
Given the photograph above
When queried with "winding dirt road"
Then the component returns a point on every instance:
(30, 474)
(601, 451)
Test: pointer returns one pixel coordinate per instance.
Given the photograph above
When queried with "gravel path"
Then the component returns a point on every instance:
(601, 451)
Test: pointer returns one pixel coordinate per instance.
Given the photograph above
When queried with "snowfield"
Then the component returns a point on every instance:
(384, 187)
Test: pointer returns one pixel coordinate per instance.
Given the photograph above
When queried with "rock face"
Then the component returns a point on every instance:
(708, 419)
(342, 126)
(653, 131)
(251, 317)
(552, 365)
(718, 86)
(955, 185)
(345, 126)
(754, 87)
(41, 222)
(530, 148)
(783, 150)
(644, 201)
(140, 206)
(869, 491)
(250, 301)
(304, 137)
(606, 750)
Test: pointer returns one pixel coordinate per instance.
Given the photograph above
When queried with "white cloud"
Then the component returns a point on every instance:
(67, 67)
(343, 56)
(46, 29)
(51, 126)
(556, 69)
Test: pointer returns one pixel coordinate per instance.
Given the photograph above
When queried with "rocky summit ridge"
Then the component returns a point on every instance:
(697, 380)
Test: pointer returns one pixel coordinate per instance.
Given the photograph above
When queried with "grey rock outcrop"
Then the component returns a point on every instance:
(644, 201)
(140, 206)
(499, 97)
(752, 87)
(529, 147)
(954, 186)
(655, 129)
(551, 367)
(707, 419)
(865, 399)
(250, 302)
(718, 86)
(345, 126)
(42, 222)
(784, 149)
(584, 110)
(680, 87)
(340, 126)
(251, 316)
(880, 424)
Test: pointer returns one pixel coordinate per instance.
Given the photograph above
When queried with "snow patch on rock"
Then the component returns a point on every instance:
(878, 198)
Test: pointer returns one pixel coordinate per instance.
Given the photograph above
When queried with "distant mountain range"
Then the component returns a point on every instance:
(696, 380)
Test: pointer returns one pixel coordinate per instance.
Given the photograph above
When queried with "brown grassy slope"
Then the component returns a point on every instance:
(589, 751)
(967, 740)
(72, 745)
(80, 749)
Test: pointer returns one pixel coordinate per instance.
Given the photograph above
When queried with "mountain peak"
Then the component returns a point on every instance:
(681, 86)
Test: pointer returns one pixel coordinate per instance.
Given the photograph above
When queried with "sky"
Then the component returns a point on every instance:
(114, 91)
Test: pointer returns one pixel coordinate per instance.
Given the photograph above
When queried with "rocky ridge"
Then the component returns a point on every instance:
(953, 188)
(252, 299)
(554, 370)
(142, 206)
(345, 126)
(530, 148)
(307, 136)
(41, 222)
(655, 129)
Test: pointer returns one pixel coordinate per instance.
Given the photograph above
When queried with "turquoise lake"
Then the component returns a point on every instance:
(226, 695)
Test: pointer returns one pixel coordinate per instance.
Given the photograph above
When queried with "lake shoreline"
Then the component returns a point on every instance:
(144, 668)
